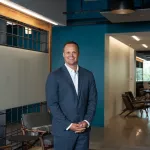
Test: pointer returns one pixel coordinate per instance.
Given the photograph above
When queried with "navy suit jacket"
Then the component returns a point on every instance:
(65, 105)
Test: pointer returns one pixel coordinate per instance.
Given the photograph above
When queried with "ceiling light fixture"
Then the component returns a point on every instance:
(136, 38)
(144, 45)
(122, 6)
(27, 11)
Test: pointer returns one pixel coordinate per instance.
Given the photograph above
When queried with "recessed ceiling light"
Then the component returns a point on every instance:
(136, 38)
(144, 45)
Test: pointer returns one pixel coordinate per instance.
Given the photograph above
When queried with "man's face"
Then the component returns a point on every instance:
(71, 54)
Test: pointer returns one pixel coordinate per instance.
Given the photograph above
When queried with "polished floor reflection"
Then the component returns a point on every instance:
(131, 133)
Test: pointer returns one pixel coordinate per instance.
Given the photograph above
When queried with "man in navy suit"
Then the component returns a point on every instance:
(71, 97)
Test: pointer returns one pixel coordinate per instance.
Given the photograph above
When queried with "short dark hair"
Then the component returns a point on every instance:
(72, 42)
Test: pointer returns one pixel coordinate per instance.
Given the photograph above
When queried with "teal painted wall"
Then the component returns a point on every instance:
(91, 40)
(128, 27)
(76, 16)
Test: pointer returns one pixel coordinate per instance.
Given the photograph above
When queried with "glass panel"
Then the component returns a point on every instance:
(21, 31)
(30, 108)
(38, 46)
(35, 35)
(9, 28)
(30, 44)
(146, 70)
(26, 43)
(22, 36)
(19, 113)
(8, 115)
(38, 107)
(15, 30)
(26, 32)
(3, 25)
(34, 45)
(2, 38)
(9, 40)
(25, 109)
(20, 42)
(44, 47)
(14, 114)
(15, 42)
(38, 36)
(33, 107)
(30, 33)
(139, 74)
(44, 37)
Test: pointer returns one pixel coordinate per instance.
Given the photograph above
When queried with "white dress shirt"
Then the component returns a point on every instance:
(74, 76)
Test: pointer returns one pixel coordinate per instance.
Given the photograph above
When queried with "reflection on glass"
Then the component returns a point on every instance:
(143, 74)
(20, 35)
(29, 31)
(146, 70)
(139, 74)
(26, 32)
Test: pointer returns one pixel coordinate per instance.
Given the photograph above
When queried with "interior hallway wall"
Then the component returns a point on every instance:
(117, 76)
(132, 80)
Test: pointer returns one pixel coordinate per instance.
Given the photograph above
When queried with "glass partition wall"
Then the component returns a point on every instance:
(16, 34)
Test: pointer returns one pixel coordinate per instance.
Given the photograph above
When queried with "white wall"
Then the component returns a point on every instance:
(52, 9)
(117, 76)
(23, 75)
(132, 80)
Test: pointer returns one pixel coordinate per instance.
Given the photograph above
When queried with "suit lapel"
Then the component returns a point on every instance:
(80, 81)
(69, 80)
(68, 77)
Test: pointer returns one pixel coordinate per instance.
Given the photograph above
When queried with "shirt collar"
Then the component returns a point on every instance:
(70, 69)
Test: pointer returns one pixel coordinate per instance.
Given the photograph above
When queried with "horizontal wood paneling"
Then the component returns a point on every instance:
(19, 16)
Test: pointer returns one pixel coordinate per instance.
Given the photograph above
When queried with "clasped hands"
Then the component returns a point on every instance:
(79, 127)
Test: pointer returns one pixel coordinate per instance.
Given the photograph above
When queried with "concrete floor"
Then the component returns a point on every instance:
(131, 133)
